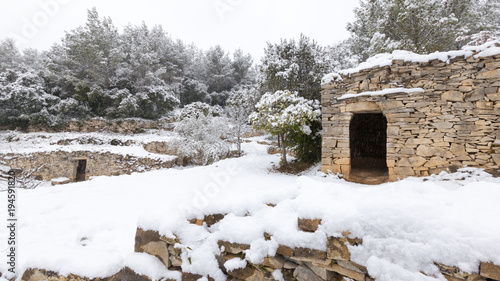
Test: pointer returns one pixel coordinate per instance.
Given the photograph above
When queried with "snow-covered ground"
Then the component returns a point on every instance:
(88, 228)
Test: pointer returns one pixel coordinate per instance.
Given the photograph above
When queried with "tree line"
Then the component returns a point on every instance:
(96, 71)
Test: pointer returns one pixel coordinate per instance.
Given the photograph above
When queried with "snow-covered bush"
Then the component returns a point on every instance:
(197, 109)
(239, 107)
(288, 116)
(201, 130)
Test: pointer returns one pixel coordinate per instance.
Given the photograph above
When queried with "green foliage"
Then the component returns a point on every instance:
(307, 147)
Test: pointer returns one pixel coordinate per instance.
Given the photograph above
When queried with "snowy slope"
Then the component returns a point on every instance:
(88, 228)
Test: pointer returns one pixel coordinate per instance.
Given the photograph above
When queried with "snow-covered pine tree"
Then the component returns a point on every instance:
(10, 57)
(421, 26)
(242, 67)
(219, 74)
(296, 66)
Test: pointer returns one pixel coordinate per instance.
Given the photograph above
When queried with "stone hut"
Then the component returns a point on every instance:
(402, 114)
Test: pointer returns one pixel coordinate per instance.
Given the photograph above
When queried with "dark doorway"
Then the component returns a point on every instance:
(368, 143)
(80, 170)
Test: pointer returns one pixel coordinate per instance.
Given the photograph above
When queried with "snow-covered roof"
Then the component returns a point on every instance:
(486, 50)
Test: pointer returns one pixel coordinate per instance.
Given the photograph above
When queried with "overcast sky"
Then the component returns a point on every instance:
(246, 24)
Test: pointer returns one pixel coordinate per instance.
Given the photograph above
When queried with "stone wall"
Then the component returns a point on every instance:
(57, 164)
(449, 120)
(124, 126)
(296, 264)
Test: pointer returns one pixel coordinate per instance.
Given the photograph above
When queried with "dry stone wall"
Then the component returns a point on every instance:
(449, 120)
(57, 164)
(124, 126)
(295, 264)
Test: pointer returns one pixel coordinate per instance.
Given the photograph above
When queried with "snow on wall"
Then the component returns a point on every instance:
(486, 50)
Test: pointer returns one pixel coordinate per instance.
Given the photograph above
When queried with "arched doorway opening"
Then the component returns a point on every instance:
(368, 147)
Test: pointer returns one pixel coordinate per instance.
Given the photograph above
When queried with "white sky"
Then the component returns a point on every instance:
(245, 24)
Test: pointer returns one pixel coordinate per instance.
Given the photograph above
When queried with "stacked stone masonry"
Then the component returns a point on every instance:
(296, 264)
(61, 164)
(123, 126)
(453, 123)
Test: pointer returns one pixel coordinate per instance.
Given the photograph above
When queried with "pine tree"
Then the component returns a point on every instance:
(242, 67)
(421, 26)
(10, 57)
(219, 74)
(295, 66)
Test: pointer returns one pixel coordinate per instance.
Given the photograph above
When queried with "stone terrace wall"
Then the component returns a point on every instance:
(295, 264)
(454, 123)
(125, 126)
(57, 164)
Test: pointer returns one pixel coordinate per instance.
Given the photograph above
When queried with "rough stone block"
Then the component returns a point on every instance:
(403, 172)
(342, 161)
(496, 158)
(456, 273)
(489, 74)
(426, 151)
(362, 107)
(489, 270)
(337, 248)
(452, 96)
(436, 162)
(303, 273)
(143, 237)
(307, 253)
(285, 251)
(320, 271)
(414, 161)
(158, 249)
(418, 141)
(353, 274)
(274, 262)
(308, 225)
(233, 248)
(242, 273)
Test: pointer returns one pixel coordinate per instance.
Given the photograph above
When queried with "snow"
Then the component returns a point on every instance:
(385, 59)
(61, 179)
(88, 228)
(383, 92)
(278, 275)
(235, 263)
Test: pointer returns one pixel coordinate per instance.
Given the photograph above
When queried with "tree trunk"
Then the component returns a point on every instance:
(283, 149)
(239, 140)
